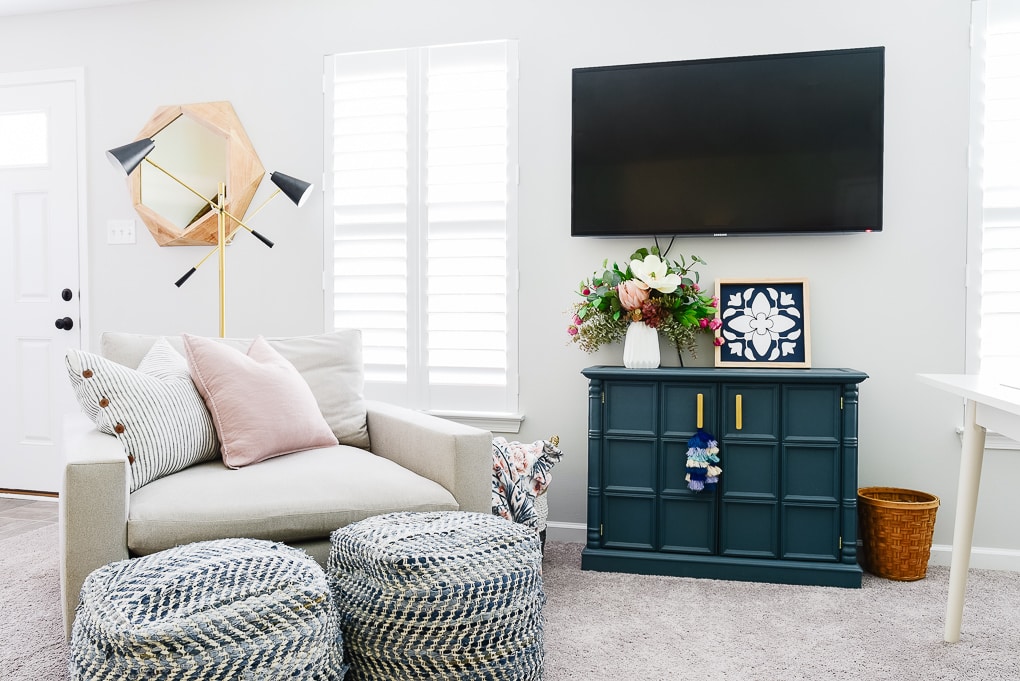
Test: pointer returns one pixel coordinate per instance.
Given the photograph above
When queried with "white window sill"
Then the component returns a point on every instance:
(496, 423)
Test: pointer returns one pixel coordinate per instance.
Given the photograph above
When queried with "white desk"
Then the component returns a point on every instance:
(989, 405)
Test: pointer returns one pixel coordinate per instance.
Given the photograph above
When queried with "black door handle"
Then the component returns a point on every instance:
(65, 324)
(67, 294)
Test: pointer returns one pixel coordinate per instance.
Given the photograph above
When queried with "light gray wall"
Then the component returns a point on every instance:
(890, 304)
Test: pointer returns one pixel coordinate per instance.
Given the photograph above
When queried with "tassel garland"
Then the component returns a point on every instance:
(702, 462)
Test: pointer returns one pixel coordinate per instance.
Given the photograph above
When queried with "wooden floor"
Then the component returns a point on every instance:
(18, 516)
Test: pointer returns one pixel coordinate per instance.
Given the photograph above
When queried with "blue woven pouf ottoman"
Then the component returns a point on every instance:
(446, 595)
(238, 609)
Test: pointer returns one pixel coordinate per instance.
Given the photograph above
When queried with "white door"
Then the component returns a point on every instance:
(39, 274)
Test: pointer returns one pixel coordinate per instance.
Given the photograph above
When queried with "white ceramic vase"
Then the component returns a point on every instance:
(641, 347)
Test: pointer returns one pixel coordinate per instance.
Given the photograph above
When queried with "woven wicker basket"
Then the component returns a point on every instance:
(896, 528)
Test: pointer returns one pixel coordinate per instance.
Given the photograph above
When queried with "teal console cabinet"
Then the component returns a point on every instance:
(785, 509)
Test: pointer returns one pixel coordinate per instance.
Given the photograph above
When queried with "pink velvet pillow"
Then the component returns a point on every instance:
(260, 404)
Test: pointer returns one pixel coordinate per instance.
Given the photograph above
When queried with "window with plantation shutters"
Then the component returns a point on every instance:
(423, 224)
(995, 187)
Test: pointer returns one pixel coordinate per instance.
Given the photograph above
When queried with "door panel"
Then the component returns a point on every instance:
(39, 217)
(750, 411)
(749, 529)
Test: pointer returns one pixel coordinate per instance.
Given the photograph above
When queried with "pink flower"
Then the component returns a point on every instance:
(632, 295)
(703, 323)
(577, 319)
(714, 324)
(586, 291)
(696, 288)
(717, 341)
(572, 330)
(715, 302)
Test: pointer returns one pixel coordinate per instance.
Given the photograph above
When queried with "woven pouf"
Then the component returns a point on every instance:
(446, 595)
(235, 609)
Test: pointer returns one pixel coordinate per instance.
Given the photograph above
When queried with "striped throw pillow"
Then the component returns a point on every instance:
(155, 410)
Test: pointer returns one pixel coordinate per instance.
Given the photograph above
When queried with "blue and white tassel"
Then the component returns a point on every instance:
(702, 459)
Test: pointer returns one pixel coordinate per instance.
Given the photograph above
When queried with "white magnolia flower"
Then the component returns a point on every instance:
(761, 323)
(654, 273)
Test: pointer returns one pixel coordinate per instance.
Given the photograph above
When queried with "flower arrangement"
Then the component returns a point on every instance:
(664, 294)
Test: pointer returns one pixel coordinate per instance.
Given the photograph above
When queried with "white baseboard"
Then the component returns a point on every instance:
(566, 532)
(29, 497)
(981, 558)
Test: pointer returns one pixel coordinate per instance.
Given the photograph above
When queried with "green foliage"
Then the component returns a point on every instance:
(666, 296)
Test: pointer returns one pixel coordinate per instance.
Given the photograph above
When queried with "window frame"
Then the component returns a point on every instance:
(975, 207)
(418, 391)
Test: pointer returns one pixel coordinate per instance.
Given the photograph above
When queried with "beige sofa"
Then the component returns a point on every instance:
(415, 462)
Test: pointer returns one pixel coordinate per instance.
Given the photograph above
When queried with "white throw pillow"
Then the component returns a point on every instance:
(155, 410)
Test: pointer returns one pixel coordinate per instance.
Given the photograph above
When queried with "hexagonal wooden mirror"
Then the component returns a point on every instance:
(202, 145)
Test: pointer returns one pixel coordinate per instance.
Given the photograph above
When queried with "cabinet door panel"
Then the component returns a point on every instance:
(750, 411)
(631, 408)
(628, 522)
(811, 412)
(750, 470)
(749, 529)
(629, 465)
(688, 524)
(811, 473)
(674, 467)
(680, 409)
(810, 532)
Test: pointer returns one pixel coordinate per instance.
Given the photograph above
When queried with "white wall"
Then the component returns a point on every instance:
(890, 304)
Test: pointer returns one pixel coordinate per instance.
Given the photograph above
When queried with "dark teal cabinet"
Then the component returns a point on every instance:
(785, 509)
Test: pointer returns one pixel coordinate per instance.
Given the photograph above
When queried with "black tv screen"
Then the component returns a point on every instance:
(771, 144)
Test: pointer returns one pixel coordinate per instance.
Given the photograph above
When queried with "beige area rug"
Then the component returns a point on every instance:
(32, 644)
(615, 626)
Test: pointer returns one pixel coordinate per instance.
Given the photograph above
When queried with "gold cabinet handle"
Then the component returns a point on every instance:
(701, 410)
(740, 412)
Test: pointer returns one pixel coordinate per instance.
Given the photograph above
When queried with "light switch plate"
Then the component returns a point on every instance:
(120, 231)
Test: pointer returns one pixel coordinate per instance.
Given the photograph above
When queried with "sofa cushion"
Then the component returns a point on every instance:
(301, 496)
(155, 411)
(260, 404)
(331, 364)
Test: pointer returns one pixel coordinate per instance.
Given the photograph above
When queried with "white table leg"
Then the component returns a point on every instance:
(966, 507)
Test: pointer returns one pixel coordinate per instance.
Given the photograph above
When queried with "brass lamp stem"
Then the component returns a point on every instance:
(221, 243)
(219, 207)
(179, 181)
(256, 211)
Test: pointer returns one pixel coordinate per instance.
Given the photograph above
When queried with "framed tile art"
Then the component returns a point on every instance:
(764, 323)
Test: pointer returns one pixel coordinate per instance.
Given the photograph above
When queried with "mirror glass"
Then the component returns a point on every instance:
(194, 154)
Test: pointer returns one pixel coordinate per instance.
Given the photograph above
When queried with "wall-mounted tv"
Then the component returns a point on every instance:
(769, 144)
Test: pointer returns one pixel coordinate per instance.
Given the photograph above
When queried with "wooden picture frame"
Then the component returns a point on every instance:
(764, 323)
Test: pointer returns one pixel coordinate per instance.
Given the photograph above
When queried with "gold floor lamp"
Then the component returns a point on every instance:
(130, 156)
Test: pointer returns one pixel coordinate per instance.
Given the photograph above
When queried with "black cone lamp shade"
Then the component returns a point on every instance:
(296, 190)
(129, 156)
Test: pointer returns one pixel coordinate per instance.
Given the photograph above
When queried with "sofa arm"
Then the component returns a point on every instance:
(93, 513)
(456, 456)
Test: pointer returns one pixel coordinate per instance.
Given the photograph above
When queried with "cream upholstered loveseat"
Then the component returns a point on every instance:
(414, 462)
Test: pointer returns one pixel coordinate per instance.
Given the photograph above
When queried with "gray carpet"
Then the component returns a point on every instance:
(613, 626)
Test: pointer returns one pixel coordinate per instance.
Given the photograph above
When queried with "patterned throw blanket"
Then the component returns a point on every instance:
(520, 472)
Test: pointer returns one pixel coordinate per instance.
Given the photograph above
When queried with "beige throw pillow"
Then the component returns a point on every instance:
(331, 363)
(260, 404)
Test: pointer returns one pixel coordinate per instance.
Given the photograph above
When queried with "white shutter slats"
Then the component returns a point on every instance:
(466, 193)
(422, 215)
(370, 207)
(1000, 191)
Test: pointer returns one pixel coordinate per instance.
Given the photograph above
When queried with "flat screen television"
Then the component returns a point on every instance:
(769, 144)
